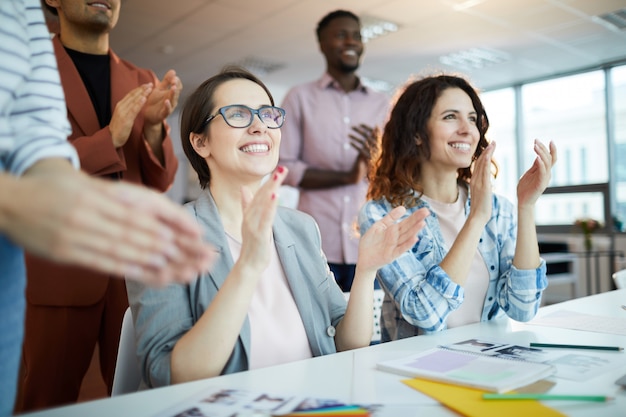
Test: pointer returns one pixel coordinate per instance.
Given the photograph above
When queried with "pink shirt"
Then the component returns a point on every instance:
(319, 120)
(277, 333)
(451, 219)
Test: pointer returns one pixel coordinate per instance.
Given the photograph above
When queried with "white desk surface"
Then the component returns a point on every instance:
(351, 377)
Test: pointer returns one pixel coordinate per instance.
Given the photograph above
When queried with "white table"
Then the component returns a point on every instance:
(351, 377)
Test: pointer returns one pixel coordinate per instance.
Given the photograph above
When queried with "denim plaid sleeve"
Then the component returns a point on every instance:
(423, 295)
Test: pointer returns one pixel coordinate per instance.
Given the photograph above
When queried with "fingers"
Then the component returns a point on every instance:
(260, 210)
(553, 152)
(366, 139)
(364, 130)
(259, 213)
(164, 237)
(393, 216)
(410, 227)
(390, 237)
(125, 113)
(171, 84)
(548, 156)
(482, 167)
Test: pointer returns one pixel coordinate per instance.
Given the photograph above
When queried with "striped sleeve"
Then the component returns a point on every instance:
(33, 116)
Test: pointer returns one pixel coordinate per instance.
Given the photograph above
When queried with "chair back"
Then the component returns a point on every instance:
(379, 295)
(127, 375)
(620, 279)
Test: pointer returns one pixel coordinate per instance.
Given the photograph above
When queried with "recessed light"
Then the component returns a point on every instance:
(259, 67)
(374, 27)
(613, 20)
(475, 58)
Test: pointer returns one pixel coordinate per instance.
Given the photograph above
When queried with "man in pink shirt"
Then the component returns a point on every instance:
(325, 141)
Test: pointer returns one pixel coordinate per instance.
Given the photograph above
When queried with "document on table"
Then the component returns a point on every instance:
(571, 365)
(386, 387)
(224, 402)
(495, 373)
(578, 321)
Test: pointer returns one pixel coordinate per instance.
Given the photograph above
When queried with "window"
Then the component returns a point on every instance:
(570, 111)
(618, 83)
(500, 108)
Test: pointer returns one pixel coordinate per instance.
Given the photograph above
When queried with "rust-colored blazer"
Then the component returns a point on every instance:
(55, 285)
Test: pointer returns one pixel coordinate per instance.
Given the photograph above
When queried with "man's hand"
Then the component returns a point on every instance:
(125, 113)
(364, 141)
(126, 230)
(162, 100)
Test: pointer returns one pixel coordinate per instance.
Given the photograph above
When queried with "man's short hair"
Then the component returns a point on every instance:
(332, 16)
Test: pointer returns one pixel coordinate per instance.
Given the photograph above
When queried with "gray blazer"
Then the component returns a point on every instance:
(163, 316)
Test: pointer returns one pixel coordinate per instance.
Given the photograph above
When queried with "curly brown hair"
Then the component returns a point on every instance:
(405, 143)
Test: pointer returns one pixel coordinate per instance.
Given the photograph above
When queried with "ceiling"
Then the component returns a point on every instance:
(541, 38)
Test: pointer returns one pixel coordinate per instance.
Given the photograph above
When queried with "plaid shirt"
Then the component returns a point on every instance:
(419, 295)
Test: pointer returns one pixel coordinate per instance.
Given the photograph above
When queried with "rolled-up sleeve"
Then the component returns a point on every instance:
(423, 293)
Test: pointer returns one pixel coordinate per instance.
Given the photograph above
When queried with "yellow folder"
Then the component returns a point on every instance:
(469, 401)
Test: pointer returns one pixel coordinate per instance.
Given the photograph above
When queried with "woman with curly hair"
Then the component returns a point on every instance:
(478, 255)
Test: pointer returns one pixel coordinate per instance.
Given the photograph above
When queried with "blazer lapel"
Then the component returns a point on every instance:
(209, 218)
(286, 248)
(76, 94)
(123, 79)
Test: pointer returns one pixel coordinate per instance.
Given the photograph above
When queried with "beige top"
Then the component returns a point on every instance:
(451, 219)
(276, 328)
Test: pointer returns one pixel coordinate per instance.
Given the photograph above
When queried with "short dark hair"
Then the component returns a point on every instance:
(51, 9)
(332, 16)
(199, 105)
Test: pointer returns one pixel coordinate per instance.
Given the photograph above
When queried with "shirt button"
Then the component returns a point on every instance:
(346, 146)
(330, 331)
(346, 119)
(346, 198)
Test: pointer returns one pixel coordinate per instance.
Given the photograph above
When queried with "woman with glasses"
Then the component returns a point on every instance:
(478, 257)
(270, 298)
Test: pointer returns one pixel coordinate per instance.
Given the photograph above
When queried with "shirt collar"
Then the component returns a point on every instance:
(327, 81)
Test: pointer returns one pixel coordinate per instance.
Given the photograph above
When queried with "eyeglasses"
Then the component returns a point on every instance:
(240, 116)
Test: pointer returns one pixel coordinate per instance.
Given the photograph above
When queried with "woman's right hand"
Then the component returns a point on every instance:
(258, 217)
(480, 186)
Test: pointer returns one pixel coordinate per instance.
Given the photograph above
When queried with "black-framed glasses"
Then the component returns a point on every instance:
(240, 116)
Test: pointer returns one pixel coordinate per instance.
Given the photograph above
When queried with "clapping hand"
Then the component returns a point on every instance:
(390, 237)
(534, 181)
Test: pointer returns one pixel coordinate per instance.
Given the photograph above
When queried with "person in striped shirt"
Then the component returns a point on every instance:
(50, 208)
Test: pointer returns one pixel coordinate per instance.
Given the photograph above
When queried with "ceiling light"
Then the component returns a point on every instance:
(475, 58)
(458, 5)
(613, 20)
(374, 27)
(379, 85)
(166, 49)
(258, 66)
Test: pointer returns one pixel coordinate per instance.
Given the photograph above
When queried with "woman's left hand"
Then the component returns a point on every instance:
(388, 238)
(259, 211)
(534, 181)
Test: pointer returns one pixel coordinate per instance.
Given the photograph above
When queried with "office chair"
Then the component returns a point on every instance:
(127, 375)
(620, 279)
(379, 295)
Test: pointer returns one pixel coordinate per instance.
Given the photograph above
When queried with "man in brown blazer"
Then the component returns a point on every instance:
(117, 112)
